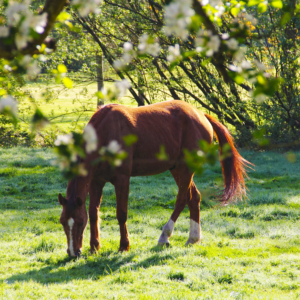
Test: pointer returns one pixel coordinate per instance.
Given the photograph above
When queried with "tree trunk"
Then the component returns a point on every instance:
(99, 62)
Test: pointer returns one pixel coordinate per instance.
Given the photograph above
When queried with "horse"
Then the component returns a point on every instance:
(175, 124)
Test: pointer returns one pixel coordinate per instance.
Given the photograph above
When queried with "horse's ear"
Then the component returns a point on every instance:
(61, 199)
(78, 201)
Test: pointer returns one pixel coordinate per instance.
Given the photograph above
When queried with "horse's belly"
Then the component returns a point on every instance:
(150, 167)
(155, 156)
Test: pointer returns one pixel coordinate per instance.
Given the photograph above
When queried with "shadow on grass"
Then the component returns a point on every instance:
(93, 267)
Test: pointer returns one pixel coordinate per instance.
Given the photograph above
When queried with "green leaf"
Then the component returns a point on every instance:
(261, 79)
(62, 68)
(67, 82)
(285, 18)
(235, 11)
(277, 3)
(253, 2)
(130, 139)
(162, 155)
(63, 16)
(261, 8)
(239, 79)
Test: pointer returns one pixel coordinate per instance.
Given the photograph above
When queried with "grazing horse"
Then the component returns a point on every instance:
(175, 124)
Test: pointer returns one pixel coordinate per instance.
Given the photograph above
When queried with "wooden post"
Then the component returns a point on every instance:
(100, 81)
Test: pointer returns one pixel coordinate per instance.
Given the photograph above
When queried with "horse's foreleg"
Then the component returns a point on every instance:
(183, 179)
(95, 192)
(194, 207)
(121, 184)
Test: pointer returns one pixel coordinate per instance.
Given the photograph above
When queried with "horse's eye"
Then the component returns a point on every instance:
(80, 224)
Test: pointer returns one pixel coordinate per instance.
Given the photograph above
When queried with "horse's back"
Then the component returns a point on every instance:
(174, 125)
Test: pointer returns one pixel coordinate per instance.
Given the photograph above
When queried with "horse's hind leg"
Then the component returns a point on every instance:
(95, 192)
(194, 207)
(121, 183)
(183, 178)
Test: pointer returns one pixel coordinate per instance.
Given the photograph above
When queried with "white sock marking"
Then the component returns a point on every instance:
(195, 232)
(167, 232)
(71, 248)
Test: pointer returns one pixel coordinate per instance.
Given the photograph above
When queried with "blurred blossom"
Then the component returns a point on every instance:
(19, 16)
(122, 87)
(4, 31)
(9, 103)
(113, 147)
(32, 68)
(245, 65)
(174, 52)
(251, 19)
(232, 44)
(177, 18)
(65, 139)
(239, 55)
(208, 43)
(90, 137)
(147, 47)
(86, 7)
(128, 55)
(259, 65)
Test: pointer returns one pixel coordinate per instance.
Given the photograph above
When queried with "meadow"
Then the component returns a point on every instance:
(249, 250)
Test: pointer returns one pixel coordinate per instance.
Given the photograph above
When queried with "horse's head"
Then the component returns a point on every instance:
(74, 219)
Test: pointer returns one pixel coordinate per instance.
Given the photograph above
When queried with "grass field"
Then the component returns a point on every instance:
(64, 108)
(249, 250)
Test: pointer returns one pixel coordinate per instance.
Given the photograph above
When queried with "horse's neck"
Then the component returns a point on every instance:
(78, 187)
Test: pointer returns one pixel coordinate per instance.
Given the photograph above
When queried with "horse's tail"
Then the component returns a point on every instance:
(233, 164)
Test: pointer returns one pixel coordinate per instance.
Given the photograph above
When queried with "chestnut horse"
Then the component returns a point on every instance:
(175, 124)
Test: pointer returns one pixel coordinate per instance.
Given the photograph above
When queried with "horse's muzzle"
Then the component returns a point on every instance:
(77, 254)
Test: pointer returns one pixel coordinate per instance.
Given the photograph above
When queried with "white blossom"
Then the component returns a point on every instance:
(14, 12)
(122, 87)
(225, 36)
(146, 46)
(21, 41)
(232, 44)
(259, 65)
(127, 46)
(9, 103)
(19, 16)
(128, 55)
(90, 137)
(177, 17)
(208, 43)
(4, 31)
(114, 147)
(214, 43)
(32, 68)
(246, 65)
(239, 55)
(119, 64)
(86, 7)
(64, 139)
(251, 19)
(174, 52)
(260, 98)
(235, 68)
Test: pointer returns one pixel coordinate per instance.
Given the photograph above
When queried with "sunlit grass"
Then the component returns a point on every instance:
(249, 250)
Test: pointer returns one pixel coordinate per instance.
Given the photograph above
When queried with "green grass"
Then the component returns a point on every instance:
(248, 251)
(66, 109)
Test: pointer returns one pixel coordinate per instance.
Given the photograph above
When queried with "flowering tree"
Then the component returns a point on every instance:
(200, 38)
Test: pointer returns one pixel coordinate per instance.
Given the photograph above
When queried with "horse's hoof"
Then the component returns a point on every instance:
(94, 249)
(192, 241)
(162, 244)
(124, 247)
